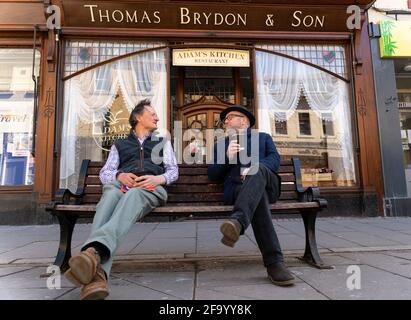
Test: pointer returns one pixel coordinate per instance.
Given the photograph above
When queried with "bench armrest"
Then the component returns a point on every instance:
(311, 194)
(65, 196)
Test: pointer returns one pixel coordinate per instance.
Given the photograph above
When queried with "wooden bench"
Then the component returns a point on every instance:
(192, 196)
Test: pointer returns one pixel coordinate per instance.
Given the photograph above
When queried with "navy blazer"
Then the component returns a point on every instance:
(230, 173)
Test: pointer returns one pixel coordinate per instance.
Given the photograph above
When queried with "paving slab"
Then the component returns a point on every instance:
(327, 240)
(210, 294)
(179, 285)
(389, 263)
(165, 245)
(31, 294)
(375, 284)
(268, 291)
(328, 226)
(399, 254)
(29, 279)
(212, 243)
(291, 241)
(32, 250)
(363, 239)
(5, 271)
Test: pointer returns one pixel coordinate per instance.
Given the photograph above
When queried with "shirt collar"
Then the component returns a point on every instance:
(144, 137)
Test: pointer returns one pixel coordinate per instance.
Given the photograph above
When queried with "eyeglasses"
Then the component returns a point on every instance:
(231, 116)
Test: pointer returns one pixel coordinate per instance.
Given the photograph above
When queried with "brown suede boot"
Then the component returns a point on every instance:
(83, 267)
(231, 230)
(97, 289)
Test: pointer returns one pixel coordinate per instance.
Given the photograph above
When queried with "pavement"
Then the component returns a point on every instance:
(185, 260)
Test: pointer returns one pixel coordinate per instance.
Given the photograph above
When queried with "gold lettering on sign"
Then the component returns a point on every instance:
(104, 16)
(213, 18)
(156, 15)
(119, 16)
(307, 21)
(184, 18)
(131, 18)
(91, 6)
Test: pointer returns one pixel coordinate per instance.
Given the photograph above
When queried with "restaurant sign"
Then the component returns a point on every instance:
(205, 57)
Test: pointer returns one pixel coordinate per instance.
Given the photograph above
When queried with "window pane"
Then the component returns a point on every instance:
(304, 122)
(328, 128)
(280, 126)
(16, 116)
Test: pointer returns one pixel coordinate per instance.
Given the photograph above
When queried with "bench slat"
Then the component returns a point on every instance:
(195, 209)
(187, 188)
(101, 164)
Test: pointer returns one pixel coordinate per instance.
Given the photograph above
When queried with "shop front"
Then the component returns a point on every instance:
(299, 68)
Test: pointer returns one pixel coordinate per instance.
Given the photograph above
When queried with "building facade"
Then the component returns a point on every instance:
(391, 50)
(72, 70)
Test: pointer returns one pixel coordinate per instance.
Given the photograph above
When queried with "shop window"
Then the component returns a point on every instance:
(304, 123)
(316, 108)
(16, 116)
(98, 102)
(405, 122)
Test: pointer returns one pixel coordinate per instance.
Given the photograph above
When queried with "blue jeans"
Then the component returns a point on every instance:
(252, 206)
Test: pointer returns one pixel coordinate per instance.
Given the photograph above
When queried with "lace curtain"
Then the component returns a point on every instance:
(280, 83)
(89, 96)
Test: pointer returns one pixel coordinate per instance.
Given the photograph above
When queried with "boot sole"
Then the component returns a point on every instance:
(82, 269)
(230, 235)
(286, 283)
(70, 277)
(96, 294)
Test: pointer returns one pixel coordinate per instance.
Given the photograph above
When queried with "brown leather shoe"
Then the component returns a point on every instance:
(97, 289)
(83, 267)
(231, 230)
(280, 275)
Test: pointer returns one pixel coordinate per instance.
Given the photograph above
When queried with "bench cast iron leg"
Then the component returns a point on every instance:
(311, 255)
(66, 231)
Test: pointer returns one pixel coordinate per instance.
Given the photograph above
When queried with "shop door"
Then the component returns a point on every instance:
(199, 116)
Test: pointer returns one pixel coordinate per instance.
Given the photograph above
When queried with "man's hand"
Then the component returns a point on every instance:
(149, 181)
(233, 149)
(127, 179)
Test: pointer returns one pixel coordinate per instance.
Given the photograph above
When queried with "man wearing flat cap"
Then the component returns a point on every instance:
(251, 183)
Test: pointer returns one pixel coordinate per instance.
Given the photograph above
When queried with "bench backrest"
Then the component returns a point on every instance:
(193, 187)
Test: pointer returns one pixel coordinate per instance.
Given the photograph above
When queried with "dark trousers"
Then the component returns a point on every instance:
(252, 206)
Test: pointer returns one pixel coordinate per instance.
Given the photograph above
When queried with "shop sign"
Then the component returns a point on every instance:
(235, 17)
(404, 105)
(395, 41)
(208, 57)
(16, 116)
